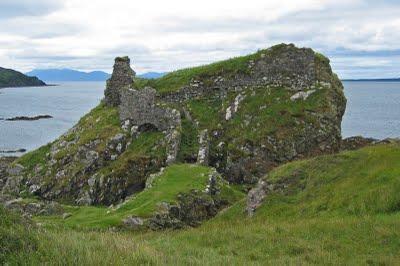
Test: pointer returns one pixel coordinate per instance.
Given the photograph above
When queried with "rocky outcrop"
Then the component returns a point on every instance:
(356, 142)
(29, 208)
(286, 185)
(256, 196)
(204, 148)
(233, 108)
(313, 131)
(278, 105)
(191, 208)
(301, 95)
(5, 162)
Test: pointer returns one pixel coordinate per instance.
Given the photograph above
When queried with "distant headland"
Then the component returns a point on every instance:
(12, 78)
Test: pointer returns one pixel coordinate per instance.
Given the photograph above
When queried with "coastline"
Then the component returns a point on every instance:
(12, 87)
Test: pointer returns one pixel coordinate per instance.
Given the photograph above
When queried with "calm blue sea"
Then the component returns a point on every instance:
(373, 110)
(66, 102)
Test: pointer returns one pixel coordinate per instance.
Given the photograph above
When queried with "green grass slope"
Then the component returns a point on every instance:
(16, 236)
(363, 182)
(336, 210)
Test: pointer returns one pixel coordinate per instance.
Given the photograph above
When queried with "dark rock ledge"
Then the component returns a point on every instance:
(12, 151)
(29, 118)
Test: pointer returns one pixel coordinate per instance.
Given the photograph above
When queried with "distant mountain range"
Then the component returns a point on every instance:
(12, 78)
(152, 75)
(68, 75)
(75, 75)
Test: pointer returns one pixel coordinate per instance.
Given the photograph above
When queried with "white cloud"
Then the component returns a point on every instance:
(15, 8)
(166, 35)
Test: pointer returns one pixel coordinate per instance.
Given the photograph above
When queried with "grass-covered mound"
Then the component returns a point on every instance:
(165, 188)
(363, 182)
(338, 209)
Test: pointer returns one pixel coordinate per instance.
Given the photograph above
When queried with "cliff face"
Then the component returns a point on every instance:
(242, 116)
(12, 78)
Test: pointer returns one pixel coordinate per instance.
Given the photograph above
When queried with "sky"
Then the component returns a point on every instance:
(361, 37)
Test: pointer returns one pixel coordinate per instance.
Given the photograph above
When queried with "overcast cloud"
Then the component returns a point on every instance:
(361, 37)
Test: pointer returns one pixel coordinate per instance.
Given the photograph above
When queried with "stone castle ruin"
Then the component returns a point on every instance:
(122, 76)
(138, 110)
(283, 66)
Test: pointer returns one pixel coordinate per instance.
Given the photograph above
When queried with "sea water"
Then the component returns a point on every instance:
(66, 102)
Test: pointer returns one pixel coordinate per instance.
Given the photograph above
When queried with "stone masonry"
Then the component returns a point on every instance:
(138, 110)
(139, 107)
(122, 77)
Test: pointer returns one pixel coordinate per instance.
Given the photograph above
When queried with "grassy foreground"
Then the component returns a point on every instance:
(340, 209)
(175, 179)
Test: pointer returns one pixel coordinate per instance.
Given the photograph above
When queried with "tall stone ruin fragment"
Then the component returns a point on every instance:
(122, 77)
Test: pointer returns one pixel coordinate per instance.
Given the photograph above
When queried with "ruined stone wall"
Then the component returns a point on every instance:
(288, 67)
(139, 107)
(123, 76)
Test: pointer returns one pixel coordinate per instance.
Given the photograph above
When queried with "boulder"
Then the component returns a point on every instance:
(256, 196)
(133, 222)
